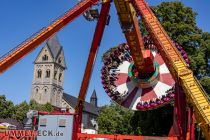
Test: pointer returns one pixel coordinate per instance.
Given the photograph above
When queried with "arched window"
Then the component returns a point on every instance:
(47, 73)
(45, 90)
(60, 76)
(45, 58)
(55, 75)
(36, 92)
(59, 60)
(39, 73)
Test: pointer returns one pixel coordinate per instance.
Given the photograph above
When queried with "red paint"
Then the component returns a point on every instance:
(122, 137)
(89, 66)
(122, 79)
(127, 102)
(18, 135)
(148, 93)
(180, 112)
(54, 113)
(191, 125)
(159, 59)
(167, 79)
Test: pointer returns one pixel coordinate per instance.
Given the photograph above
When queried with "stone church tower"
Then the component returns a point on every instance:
(49, 66)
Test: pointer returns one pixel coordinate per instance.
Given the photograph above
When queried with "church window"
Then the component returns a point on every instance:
(55, 75)
(59, 60)
(47, 73)
(37, 90)
(39, 73)
(60, 76)
(45, 58)
(45, 90)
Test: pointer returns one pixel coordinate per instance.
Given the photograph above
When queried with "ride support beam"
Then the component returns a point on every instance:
(195, 94)
(191, 125)
(35, 40)
(180, 111)
(135, 42)
(131, 30)
(89, 66)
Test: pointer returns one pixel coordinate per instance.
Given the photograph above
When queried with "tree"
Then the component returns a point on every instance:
(180, 24)
(205, 81)
(155, 122)
(20, 111)
(6, 107)
(114, 119)
(33, 105)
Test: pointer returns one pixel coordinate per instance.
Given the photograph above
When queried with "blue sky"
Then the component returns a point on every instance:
(22, 18)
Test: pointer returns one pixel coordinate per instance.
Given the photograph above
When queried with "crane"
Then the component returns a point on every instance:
(127, 11)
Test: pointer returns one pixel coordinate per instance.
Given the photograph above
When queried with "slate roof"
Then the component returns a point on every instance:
(94, 96)
(88, 107)
(54, 46)
(55, 49)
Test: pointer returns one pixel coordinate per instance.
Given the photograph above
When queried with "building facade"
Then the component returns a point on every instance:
(49, 67)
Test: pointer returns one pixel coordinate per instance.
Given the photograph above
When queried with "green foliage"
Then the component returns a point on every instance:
(205, 82)
(33, 105)
(7, 108)
(20, 111)
(153, 122)
(198, 63)
(114, 119)
(22, 108)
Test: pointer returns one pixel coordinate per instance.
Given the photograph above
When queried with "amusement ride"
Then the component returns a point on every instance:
(142, 74)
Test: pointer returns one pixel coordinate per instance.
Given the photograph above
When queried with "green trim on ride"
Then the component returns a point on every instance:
(146, 80)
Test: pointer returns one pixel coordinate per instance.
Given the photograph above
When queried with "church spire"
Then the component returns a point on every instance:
(93, 99)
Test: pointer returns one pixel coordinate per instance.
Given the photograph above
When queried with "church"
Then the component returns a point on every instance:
(48, 78)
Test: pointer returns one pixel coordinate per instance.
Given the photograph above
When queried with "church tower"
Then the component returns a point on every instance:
(93, 99)
(49, 66)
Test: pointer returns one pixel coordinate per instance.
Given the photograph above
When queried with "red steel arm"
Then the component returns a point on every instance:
(94, 47)
(35, 40)
(89, 66)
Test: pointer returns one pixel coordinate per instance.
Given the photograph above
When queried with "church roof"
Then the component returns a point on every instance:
(88, 107)
(54, 46)
(94, 96)
(55, 51)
